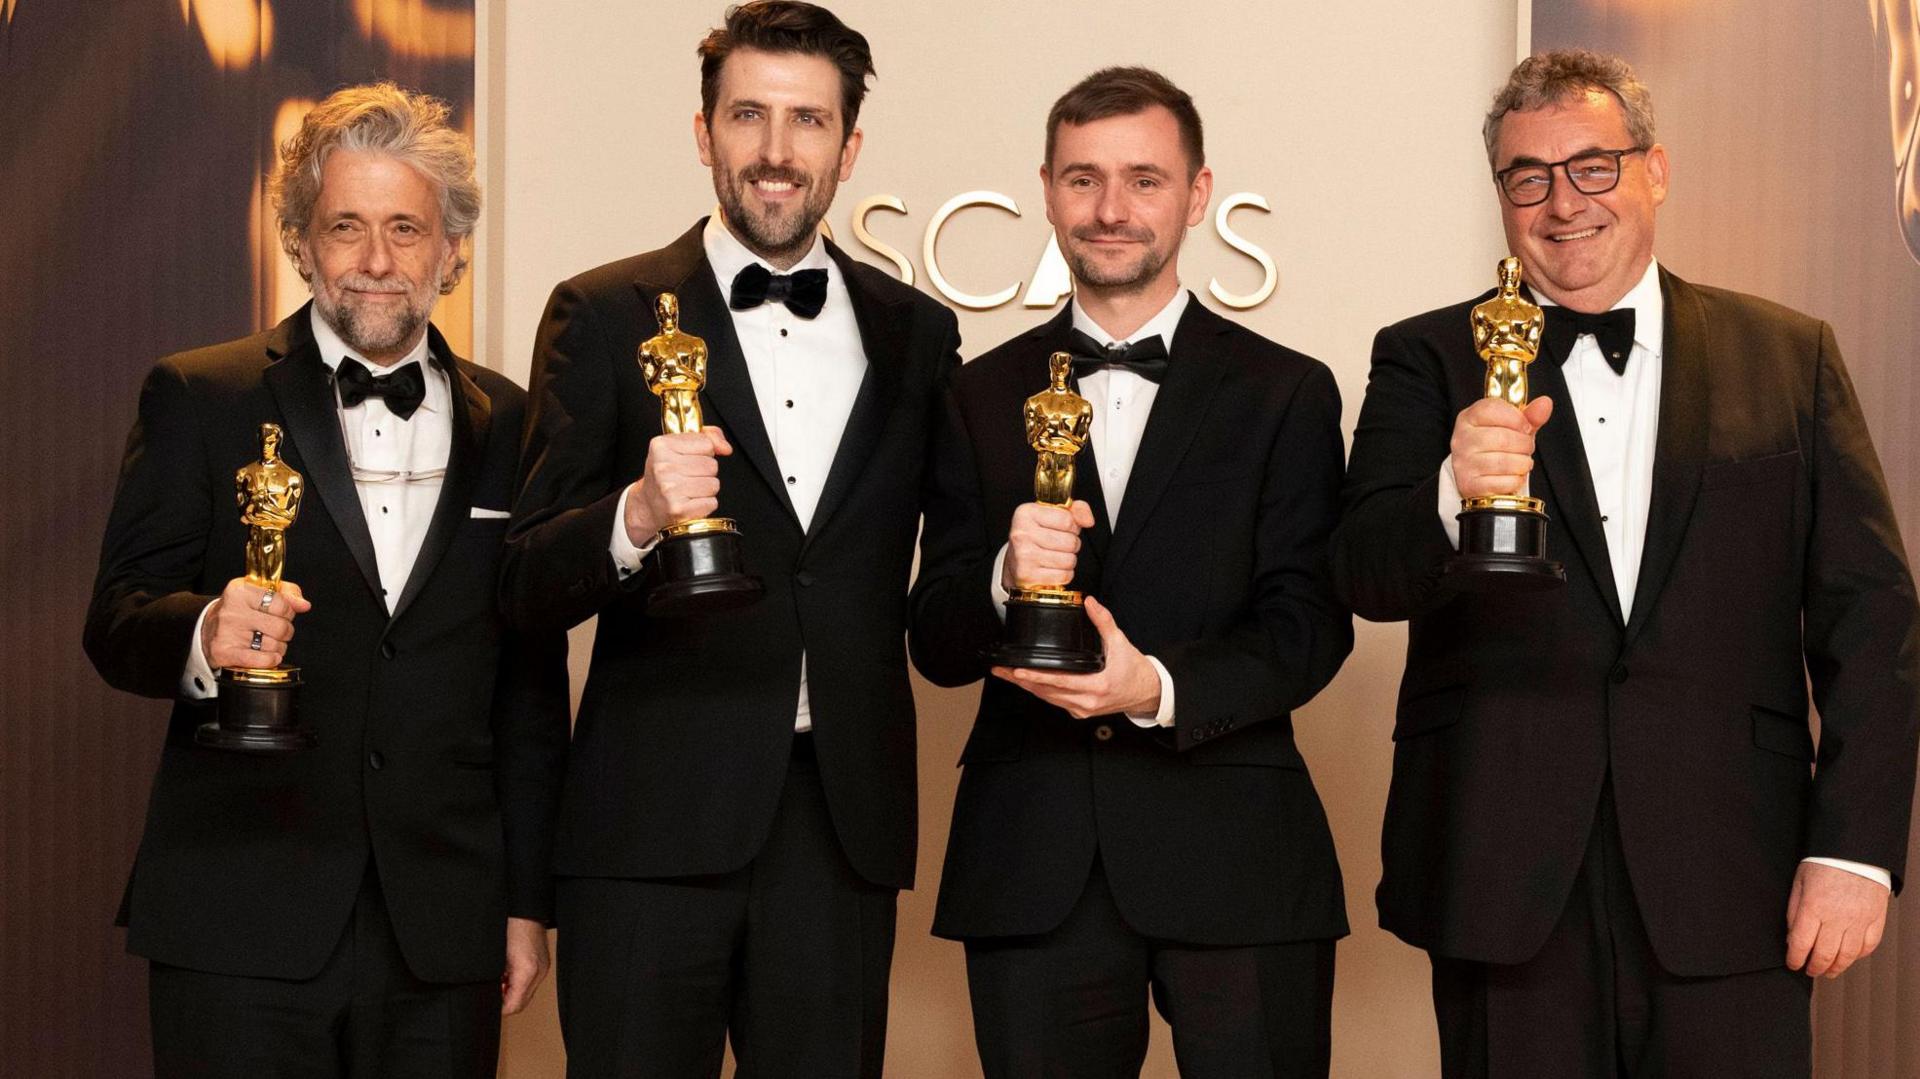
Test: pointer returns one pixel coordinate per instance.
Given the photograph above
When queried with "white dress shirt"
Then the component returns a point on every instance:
(1122, 400)
(806, 374)
(383, 449)
(1619, 420)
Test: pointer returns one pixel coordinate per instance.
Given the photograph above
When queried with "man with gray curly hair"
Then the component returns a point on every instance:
(372, 904)
(1610, 825)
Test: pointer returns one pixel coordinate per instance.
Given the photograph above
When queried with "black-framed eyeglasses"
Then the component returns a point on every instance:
(1595, 172)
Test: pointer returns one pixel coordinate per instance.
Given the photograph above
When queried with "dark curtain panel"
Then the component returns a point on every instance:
(134, 136)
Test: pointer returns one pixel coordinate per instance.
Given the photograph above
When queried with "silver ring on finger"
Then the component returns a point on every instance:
(266, 599)
(257, 638)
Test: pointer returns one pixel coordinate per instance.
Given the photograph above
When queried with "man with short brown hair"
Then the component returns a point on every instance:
(1149, 829)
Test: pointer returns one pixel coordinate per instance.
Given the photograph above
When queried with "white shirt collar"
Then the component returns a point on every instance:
(1649, 307)
(333, 350)
(728, 256)
(1162, 324)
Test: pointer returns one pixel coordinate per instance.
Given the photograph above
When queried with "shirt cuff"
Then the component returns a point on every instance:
(1449, 502)
(1872, 872)
(196, 681)
(627, 558)
(1164, 717)
(997, 588)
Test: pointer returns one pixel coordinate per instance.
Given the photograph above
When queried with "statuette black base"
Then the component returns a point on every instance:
(1503, 550)
(1049, 637)
(255, 714)
(701, 573)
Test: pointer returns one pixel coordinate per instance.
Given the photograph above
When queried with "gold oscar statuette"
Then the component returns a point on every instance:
(255, 707)
(1503, 537)
(1047, 625)
(699, 566)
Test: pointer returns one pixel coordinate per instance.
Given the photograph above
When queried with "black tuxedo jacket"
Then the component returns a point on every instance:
(1771, 554)
(684, 732)
(435, 725)
(1210, 832)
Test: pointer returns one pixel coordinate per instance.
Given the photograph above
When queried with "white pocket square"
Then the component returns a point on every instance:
(480, 512)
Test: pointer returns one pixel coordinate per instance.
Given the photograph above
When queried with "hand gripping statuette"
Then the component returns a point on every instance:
(1503, 538)
(255, 707)
(1047, 625)
(698, 565)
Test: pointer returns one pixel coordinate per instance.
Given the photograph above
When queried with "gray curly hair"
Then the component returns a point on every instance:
(379, 118)
(1549, 78)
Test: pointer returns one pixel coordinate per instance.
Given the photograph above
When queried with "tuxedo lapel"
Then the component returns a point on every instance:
(1193, 374)
(883, 338)
(1681, 445)
(729, 392)
(300, 385)
(471, 419)
(1561, 476)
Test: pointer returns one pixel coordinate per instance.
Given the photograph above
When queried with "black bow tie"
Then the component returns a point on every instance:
(1612, 329)
(804, 292)
(1146, 357)
(402, 390)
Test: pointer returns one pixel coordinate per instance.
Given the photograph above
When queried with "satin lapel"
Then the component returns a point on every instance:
(883, 338)
(729, 394)
(1193, 374)
(1561, 476)
(472, 416)
(1681, 445)
(300, 384)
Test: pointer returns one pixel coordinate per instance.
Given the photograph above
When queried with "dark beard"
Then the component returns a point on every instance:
(781, 240)
(1086, 271)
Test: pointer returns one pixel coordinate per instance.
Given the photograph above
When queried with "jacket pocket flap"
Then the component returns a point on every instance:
(1431, 711)
(994, 741)
(1766, 469)
(1782, 733)
(1248, 747)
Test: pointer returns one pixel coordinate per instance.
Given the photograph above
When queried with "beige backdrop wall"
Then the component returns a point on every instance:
(1358, 123)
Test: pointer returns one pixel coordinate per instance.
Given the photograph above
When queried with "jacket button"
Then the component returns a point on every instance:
(1103, 732)
(375, 761)
(387, 650)
(803, 579)
(1620, 673)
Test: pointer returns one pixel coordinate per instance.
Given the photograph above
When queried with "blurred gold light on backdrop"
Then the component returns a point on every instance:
(237, 32)
(416, 28)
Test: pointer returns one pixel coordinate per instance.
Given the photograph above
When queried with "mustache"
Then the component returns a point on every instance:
(753, 174)
(362, 283)
(1095, 232)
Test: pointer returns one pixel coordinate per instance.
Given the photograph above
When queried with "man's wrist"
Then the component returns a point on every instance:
(641, 529)
(627, 553)
(1158, 711)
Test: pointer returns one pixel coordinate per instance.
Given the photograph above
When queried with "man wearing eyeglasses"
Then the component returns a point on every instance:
(1608, 823)
(373, 904)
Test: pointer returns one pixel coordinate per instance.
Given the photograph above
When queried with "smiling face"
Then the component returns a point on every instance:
(376, 253)
(1583, 251)
(1121, 195)
(775, 145)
